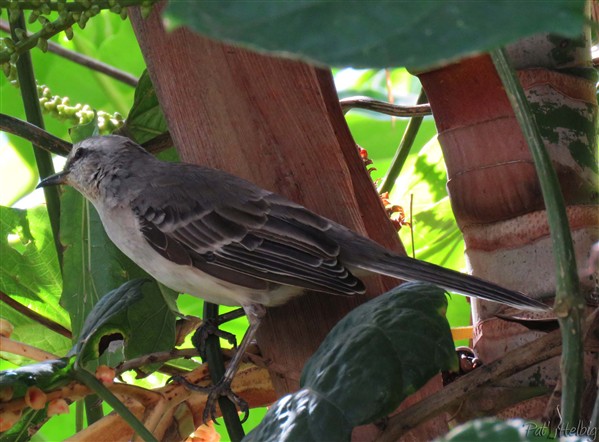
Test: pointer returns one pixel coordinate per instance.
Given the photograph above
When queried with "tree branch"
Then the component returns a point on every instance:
(20, 348)
(58, 146)
(46, 322)
(36, 135)
(395, 110)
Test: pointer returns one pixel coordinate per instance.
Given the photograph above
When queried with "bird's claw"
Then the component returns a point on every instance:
(210, 327)
(222, 389)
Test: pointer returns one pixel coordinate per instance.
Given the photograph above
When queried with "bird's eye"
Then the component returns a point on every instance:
(79, 154)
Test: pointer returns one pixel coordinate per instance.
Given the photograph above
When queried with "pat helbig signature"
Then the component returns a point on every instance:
(562, 429)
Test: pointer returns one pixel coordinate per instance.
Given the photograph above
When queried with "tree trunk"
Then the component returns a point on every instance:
(495, 191)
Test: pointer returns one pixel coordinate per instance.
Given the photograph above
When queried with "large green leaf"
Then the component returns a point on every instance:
(367, 365)
(47, 375)
(29, 266)
(405, 335)
(145, 119)
(29, 273)
(378, 34)
(144, 326)
(301, 416)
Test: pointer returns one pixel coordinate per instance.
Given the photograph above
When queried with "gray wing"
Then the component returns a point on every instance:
(239, 233)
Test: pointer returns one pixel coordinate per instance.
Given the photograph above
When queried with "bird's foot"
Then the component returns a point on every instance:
(221, 389)
(210, 327)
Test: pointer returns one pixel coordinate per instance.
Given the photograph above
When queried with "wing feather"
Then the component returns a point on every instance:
(255, 240)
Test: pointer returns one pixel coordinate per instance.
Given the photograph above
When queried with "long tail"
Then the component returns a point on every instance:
(410, 269)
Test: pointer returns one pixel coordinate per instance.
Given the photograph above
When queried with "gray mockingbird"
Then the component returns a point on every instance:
(221, 238)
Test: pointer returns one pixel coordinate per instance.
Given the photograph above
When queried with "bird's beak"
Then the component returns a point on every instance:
(53, 180)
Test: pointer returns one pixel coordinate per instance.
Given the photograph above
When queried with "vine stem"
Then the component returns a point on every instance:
(216, 366)
(403, 150)
(92, 383)
(569, 302)
(33, 112)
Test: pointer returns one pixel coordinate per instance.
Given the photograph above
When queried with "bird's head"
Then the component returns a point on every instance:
(92, 159)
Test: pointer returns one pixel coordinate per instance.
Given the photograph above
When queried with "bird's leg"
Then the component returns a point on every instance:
(211, 327)
(255, 313)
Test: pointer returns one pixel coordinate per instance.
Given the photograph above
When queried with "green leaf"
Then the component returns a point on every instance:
(495, 430)
(418, 35)
(29, 266)
(145, 120)
(91, 264)
(47, 375)
(381, 352)
(403, 334)
(121, 312)
(29, 273)
(301, 416)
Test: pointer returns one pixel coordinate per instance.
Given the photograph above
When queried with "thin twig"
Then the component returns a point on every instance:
(395, 110)
(28, 351)
(33, 111)
(46, 322)
(216, 366)
(58, 146)
(537, 351)
(84, 60)
(35, 135)
(152, 358)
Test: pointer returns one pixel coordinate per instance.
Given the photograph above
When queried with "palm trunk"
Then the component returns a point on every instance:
(495, 192)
